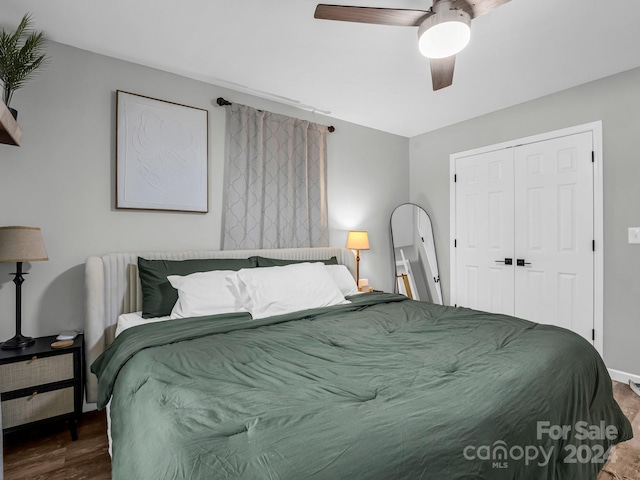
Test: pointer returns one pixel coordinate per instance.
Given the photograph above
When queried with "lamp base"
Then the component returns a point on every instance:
(19, 341)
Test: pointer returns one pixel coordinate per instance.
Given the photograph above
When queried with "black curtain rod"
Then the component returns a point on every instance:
(223, 103)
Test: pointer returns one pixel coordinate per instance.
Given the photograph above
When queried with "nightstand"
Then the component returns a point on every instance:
(40, 384)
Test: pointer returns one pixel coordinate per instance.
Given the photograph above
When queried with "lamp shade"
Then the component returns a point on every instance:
(358, 240)
(21, 244)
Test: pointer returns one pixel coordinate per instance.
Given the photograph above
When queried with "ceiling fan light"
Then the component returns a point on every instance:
(444, 34)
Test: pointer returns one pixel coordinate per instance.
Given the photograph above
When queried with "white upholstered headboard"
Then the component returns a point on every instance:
(112, 287)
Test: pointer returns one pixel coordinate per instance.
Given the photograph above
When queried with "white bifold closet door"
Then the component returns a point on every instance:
(524, 232)
(485, 232)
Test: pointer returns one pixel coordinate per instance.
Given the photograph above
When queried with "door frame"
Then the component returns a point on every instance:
(598, 214)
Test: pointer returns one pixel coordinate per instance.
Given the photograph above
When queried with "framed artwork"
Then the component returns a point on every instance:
(161, 155)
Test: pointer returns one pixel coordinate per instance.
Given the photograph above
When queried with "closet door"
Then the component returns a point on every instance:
(484, 231)
(554, 232)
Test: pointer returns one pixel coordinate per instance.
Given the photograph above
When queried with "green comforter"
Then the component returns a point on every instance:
(384, 388)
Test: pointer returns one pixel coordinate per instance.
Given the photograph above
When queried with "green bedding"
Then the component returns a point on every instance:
(383, 388)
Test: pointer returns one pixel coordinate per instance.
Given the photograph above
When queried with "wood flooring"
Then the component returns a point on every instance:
(624, 460)
(51, 455)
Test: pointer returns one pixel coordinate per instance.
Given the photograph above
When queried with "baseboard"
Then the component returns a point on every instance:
(623, 377)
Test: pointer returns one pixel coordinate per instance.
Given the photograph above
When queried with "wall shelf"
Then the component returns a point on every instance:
(10, 131)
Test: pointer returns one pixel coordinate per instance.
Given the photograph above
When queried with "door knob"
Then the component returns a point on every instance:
(521, 263)
(506, 261)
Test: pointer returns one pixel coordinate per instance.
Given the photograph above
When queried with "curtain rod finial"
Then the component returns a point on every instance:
(222, 102)
(331, 128)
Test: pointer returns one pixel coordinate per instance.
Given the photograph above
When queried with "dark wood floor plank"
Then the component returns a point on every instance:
(58, 475)
(34, 463)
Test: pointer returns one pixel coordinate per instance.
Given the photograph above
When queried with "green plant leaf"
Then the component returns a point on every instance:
(21, 54)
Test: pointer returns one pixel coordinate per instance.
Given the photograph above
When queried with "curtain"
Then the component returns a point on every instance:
(276, 181)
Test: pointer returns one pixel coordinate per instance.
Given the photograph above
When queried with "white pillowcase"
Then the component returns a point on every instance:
(343, 278)
(291, 288)
(205, 293)
(128, 320)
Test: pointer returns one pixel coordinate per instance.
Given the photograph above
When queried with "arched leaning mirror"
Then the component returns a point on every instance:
(414, 253)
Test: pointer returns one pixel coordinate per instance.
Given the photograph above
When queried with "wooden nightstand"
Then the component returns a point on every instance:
(41, 384)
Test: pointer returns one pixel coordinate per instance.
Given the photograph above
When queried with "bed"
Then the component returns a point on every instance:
(377, 386)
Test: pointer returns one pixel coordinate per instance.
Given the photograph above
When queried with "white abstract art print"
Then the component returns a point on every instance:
(162, 155)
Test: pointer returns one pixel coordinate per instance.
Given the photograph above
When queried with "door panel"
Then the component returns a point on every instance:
(553, 201)
(532, 203)
(484, 231)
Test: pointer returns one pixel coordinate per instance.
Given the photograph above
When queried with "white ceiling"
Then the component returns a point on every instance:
(367, 74)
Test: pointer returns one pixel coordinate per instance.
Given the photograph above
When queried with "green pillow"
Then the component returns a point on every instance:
(276, 262)
(159, 297)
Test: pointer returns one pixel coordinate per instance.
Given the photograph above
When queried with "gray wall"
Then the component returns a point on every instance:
(62, 180)
(616, 101)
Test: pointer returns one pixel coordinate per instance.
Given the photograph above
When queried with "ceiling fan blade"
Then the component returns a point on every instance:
(380, 16)
(475, 8)
(442, 71)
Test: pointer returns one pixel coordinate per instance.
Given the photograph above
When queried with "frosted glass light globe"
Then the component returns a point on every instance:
(444, 34)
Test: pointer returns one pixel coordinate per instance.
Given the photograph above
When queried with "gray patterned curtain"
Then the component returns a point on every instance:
(276, 181)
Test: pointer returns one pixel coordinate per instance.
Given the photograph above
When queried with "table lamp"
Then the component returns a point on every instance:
(20, 244)
(358, 240)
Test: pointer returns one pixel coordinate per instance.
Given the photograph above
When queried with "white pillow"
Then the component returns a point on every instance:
(291, 288)
(205, 293)
(343, 278)
(128, 320)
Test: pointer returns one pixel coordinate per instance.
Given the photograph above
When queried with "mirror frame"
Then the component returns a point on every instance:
(393, 251)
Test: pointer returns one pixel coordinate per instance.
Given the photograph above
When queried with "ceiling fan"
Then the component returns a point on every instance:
(443, 30)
